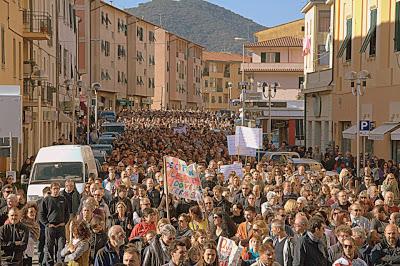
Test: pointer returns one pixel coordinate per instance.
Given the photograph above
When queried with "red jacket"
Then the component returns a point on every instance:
(141, 229)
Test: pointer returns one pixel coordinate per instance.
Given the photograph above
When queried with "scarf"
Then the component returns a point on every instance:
(33, 227)
(321, 245)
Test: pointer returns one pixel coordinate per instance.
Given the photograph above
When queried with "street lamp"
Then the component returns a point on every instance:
(271, 94)
(230, 94)
(359, 78)
(243, 40)
(243, 85)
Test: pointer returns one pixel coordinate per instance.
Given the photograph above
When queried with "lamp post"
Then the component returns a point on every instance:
(360, 79)
(230, 95)
(271, 94)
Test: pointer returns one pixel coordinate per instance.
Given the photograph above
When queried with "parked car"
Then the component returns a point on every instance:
(279, 156)
(108, 148)
(108, 116)
(309, 164)
(106, 140)
(113, 127)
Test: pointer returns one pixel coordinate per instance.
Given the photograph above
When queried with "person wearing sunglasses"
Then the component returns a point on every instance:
(349, 256)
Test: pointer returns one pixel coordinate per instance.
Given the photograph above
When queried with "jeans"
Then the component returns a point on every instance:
(55, 242)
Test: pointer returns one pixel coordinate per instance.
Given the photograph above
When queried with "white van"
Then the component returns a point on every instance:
(57, 163)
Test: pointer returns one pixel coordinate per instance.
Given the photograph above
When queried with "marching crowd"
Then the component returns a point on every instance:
(278, 215)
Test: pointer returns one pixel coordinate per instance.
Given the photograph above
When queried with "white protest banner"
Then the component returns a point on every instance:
(182, 179)
(248, 137)
(229, 168)
(234, 149)
(228, 252)
(180, 130)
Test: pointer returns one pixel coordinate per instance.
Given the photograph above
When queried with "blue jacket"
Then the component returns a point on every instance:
(106, 256)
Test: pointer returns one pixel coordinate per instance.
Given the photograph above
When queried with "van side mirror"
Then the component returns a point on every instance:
(24, 179)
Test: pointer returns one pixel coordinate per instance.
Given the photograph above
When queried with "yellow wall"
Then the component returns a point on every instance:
(381, 102)
(294, 28)
(11, 71)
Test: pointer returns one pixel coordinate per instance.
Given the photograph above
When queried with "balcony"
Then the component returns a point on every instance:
(318, 81)
(272, 67)
(37, 25)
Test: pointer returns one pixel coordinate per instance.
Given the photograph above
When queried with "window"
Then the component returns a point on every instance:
(206, 83)
(299, 130)
(212, 99)
(139, 33)
(323, 56)
(397, 28)
(151, 36)
(346, 44)
(219, 99)
(324, 20)
(370, 39)
(270, 57)
(301, 81)
(14, 58)
(106, 48)
(3, 48)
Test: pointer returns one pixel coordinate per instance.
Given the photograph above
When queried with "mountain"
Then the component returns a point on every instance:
(209, 25)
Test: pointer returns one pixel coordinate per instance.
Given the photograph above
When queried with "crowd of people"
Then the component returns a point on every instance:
(278, 215)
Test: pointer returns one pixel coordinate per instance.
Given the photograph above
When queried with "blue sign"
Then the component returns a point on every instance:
(365, 125)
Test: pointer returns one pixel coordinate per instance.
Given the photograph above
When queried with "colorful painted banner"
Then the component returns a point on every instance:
(182, 179)
(228, 252)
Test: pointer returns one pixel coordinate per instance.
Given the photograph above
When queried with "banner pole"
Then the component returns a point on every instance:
(166, 188)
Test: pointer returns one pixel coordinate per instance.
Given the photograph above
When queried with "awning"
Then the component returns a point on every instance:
(379, 132)
(350, 133)
(395, 135)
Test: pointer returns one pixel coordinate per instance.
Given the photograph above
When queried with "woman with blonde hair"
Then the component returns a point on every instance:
(260, 228)
(290, 206)
(390, 184)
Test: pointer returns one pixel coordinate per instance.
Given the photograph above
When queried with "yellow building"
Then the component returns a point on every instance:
(367, 37)
(221, 78)
(318, 79)
(293, 28)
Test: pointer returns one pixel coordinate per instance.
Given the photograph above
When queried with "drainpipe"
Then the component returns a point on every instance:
(333, 63)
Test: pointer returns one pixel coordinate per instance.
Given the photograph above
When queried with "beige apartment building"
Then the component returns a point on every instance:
(108, 57)
(141, 63)
(178, 68)
(221, 78)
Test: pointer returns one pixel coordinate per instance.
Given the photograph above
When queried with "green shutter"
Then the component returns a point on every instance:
(263, 57)
(397, 31)
(371, 31)
(347, 39)
(277, 57)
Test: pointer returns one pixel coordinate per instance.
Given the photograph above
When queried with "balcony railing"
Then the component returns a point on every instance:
(37, 25)
(318, 81)
(272, 67)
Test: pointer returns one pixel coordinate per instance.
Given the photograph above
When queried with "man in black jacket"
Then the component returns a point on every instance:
(311, 247)
(13, 238)
(71, 196)
(388, 251)
(54, 214)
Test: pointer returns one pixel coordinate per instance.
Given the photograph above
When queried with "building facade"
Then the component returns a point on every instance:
(141, 63)
(221, 80)
(318, 83)
(178, 68)
(367, 37)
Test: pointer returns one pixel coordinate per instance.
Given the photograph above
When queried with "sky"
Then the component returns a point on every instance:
(265, 12)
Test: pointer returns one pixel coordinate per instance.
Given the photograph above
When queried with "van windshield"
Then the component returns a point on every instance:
(44, 172)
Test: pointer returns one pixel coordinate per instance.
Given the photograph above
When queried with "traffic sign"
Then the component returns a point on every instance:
(365, 127)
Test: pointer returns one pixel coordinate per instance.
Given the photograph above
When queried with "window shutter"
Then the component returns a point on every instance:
(397, 26)
(277, 57)
(263, 57)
